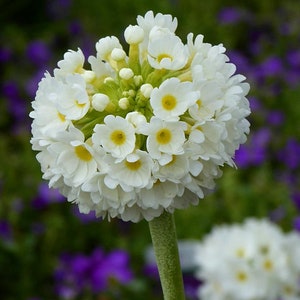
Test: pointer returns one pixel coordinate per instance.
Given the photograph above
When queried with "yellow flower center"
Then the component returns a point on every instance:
(118, 137)
(240, 253)
(161, 56)
(163, 136)
(168, 102)
(133, 166)
(268, 265)
(82, 153)
(199, 103)
(80, 105)
(61, 117)
(241, 276)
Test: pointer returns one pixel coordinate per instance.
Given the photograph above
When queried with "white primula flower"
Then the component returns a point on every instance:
(72, 63)
(75, 101)
(149, 21)
(74, 158)
(255, 260)
(173, 171)
(164, 139)
(48, 121)
(139, 132)
(172, 98)
(105, 46)
(132, 172)
(167, 52)
(116, 136)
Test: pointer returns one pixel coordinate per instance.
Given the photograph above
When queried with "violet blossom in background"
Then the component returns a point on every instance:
(78, 273)
(255, 152)
(275, 117)
(289, 155)
(296, 223)
(6, 234)
(84, 218)
(38, 53)
(46, 196)
(5, 54)
(230, 15)
(16, 105)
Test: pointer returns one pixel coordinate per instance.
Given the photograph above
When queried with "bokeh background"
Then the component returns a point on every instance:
(50, 251)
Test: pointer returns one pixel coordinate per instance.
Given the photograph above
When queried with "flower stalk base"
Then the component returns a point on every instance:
(164, 240)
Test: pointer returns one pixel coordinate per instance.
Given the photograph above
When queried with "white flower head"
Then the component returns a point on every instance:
(116, 136)
(254, 262)
(147, 130)
(172, 98)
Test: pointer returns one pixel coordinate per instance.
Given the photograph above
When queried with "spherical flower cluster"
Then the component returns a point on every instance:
(139, 133)
(252, 261)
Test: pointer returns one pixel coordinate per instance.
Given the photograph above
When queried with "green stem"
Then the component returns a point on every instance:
(164, 240)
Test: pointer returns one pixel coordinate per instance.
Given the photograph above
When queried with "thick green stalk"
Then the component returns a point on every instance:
(164, 240)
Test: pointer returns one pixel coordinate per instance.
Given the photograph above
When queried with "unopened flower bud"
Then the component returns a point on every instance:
(100, 101)
(146, 90)
(134, 34)
(126, 73)
(118, 54)
(123, 103)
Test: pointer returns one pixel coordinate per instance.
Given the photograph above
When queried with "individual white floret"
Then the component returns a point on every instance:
(116, 136)
(132, 172)
(164, 139)
(106, 45)
(72, 63)
(74, 158)
(75, 101)
(172, 99)
(167, 52)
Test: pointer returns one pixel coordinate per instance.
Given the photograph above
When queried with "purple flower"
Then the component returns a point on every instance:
(230, 15)
(38, 53)
(5, 55)
(84, 218)
(296, 223)
(275, 117)
(270, 67)
(5, 231)
(290, 154)
(16, 105)
(114, 267)
(255, 151)
(293, 58)
(296, 199)
(46, 196)
(241, 62)
(95, 273)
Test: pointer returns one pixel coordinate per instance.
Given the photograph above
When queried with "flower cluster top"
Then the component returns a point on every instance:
(254, 260)
(131, 135)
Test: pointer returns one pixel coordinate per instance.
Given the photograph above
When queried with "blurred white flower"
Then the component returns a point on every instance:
(257, 261)
(137, 133)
